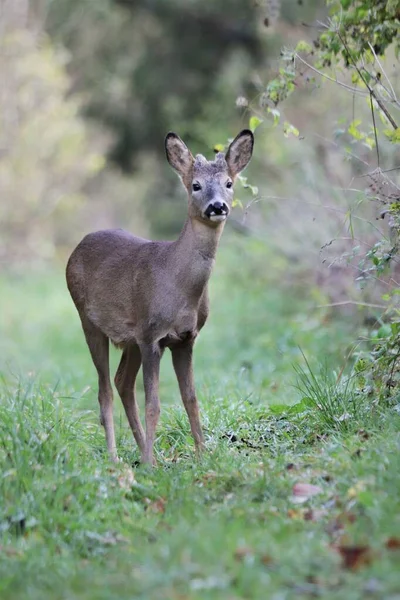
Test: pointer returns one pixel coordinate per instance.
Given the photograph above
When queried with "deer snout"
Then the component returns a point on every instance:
(217, 211)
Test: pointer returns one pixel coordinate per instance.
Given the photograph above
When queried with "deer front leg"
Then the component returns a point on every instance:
(125, 378)
(182, 359)
(151, 356)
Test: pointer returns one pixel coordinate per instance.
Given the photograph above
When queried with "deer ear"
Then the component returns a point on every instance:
(239, 152)
(178, 154)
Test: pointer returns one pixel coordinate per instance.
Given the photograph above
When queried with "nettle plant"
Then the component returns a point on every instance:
(349, 50)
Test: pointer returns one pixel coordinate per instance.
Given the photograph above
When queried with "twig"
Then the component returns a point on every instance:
(321, 74)
(382, 171)
(375, 134)
(369, 88)
(383, 71)
(351, 302)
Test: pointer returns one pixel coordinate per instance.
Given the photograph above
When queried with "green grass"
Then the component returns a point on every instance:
(74, 526)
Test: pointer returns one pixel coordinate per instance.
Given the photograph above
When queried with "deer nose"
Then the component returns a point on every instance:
(217, 211)
(220, 208)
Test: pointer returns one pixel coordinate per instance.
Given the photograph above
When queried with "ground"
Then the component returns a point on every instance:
(284, 504)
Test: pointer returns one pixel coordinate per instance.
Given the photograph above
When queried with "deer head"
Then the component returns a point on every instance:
(209, 183)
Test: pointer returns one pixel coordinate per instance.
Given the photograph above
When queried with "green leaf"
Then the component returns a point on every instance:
(253, 189)
(303, 46)
(393, 135)
(370, 142)
(254, 123)
(276, 114)
(353, 130)
(219, 147)
(288, 129)
(237, 202)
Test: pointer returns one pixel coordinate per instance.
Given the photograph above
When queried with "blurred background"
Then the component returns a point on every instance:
(88, 92)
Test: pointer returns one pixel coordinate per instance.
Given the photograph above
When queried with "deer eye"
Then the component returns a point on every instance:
(229, 184)
(196, 187)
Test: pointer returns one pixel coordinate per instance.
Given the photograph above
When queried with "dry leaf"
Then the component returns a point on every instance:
(303, 491)
(354, 557)
(393, 543)
(158, 506)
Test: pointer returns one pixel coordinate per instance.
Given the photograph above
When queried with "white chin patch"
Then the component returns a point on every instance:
(217, 218)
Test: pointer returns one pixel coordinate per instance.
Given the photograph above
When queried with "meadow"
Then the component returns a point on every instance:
(297, 495)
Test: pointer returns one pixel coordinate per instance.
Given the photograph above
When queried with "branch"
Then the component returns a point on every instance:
(369, 88)
(351, 302)
(375, 132)
(321, 74)
(383, 71)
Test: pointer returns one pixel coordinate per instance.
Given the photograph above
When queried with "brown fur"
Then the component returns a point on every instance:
(146, 296)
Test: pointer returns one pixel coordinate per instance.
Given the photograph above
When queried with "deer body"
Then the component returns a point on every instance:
(111, 269)
(145, 296)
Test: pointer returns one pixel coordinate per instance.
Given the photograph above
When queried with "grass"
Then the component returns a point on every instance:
(236, 524)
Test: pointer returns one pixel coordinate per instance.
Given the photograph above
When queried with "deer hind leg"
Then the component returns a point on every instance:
(182, 359)
(99, 346)
(125, 378)
(151, 357)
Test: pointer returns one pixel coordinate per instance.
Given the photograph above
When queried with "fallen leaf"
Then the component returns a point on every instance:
(158, 506)
(354, 557)
(393, 543)
(303, 491)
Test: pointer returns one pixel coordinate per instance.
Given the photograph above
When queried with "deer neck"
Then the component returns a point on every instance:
(196, 249)
(199, 238)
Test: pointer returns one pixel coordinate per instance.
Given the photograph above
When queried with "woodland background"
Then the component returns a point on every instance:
(298, 368)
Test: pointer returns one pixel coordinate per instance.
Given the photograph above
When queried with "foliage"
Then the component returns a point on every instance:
(377, 368)
(350, 51)
(46, 154)
(365, 23)
(334, 396)
(152, 66)
(279, 499)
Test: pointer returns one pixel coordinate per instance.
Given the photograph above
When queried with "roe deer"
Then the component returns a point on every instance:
(145, 296)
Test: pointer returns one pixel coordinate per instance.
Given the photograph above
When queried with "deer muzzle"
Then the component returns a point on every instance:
(217, 211)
